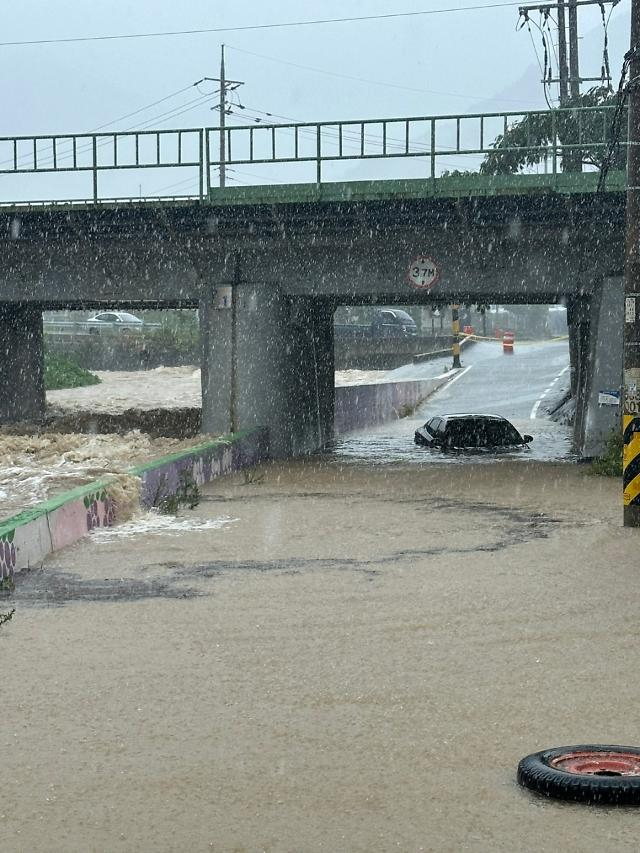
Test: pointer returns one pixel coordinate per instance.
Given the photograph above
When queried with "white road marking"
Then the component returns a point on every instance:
(459, 376)
(534, 411)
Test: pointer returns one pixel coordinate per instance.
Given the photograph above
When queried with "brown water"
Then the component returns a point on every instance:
(356, 663)
(36, 467)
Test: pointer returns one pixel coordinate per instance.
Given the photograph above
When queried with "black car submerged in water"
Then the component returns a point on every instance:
(470, 432)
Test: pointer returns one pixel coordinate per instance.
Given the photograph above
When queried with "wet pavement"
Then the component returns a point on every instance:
(489, 383)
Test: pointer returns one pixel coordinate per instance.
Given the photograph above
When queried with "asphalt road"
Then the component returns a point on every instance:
(490, 382)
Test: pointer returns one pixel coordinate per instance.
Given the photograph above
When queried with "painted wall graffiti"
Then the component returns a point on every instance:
(100, 510)
(7, 555)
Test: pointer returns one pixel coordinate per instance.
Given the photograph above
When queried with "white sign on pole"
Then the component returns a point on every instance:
(630, 309)
(222, 298)
(608, 398)
(423, 273)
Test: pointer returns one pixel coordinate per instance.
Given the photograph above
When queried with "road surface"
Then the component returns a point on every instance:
(489, 383)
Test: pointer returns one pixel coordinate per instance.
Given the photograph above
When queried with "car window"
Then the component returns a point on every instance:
(480, 432)
(431, 426)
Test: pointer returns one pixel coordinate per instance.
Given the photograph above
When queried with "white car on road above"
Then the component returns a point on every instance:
(115, 320)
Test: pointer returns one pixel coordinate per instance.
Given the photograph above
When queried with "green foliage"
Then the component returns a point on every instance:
(251, 476)
(533, 136)
(61, 372)
(187, 494)
(7, 617)
(610, 463)
(7, 584)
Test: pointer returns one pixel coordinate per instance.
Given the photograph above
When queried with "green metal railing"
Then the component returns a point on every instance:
(436, 139)
(97, 153)
(457, 142)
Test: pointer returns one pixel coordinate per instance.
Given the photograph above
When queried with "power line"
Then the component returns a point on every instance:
(174, 112)
(365, 80)
(143, 109)
(247, 27)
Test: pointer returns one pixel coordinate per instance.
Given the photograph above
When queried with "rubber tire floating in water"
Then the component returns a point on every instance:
(585, 774)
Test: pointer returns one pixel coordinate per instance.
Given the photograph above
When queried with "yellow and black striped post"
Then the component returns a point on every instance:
(631, 339)
(455, 331)
(631, 469)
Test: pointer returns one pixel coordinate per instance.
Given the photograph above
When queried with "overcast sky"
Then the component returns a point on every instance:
(435, 63)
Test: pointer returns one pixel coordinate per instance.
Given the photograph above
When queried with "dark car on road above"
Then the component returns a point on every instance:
(392, 323)
(470, 432)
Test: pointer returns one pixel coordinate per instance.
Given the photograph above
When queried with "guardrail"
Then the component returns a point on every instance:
(435, 139)
(84, 327)
(440, 141)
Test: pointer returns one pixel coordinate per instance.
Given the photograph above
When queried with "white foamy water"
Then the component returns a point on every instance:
(153, 522)
(37, 467)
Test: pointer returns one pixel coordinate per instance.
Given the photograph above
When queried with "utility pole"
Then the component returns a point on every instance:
(225, 87)
(569, 85)
(455, 331)
(631, 380)
(223, 116)
(562, 55)
(574, 65)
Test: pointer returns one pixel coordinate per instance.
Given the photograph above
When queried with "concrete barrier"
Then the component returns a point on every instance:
(26, 539)
(360, 406)
(465, 343)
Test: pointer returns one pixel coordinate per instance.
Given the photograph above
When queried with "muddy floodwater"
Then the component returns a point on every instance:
(163, 387)
(337, 657)
(40, 466)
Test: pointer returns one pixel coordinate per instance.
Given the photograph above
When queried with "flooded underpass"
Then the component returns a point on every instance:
(518, 387)
(328, 654)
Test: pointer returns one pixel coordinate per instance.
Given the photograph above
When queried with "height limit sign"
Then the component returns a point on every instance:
(423, 273)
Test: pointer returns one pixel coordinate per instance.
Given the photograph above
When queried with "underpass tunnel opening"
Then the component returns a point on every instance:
(515, 363)
(383, 335)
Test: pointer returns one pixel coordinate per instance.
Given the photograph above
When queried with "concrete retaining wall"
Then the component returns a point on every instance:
(363, 352)
(27, 538)
(360, 406)
(214, 459)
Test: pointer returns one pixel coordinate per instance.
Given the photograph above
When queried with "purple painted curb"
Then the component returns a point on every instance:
(26, 539)
(163, 477)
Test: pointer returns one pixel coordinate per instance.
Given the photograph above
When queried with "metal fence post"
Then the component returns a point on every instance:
(201, 163)
(207, 163)
(95, 169)
(318, 155)
(555, 148)
(433, 151)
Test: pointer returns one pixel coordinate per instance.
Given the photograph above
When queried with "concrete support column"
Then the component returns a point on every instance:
(573, 329)
(601, 370)
(579, 354)
(274, 369)
(22, 396)
(215, 342)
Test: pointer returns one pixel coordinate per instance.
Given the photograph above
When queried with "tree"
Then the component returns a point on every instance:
(532, 138)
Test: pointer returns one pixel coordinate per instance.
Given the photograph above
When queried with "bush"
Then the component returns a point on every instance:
(610, 463)
(61, 372)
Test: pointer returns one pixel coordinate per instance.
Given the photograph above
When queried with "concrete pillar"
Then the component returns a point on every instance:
(215, 342)
(602, 370)
(580, 336)
(281, 375)
(574, 334)
(22, 396)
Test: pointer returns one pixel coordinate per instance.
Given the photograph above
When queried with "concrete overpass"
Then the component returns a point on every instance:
(284, 256)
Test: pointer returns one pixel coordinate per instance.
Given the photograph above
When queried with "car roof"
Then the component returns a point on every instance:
(448, 418)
